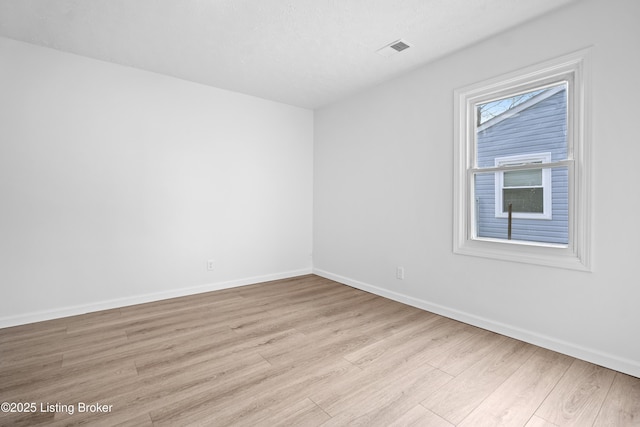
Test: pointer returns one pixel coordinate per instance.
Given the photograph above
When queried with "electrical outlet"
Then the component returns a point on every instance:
(400, 273)
(210, 264)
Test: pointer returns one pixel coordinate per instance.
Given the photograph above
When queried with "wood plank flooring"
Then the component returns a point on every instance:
(304, 351)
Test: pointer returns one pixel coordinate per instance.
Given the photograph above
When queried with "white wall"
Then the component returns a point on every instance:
(116, 186)
(384, 184)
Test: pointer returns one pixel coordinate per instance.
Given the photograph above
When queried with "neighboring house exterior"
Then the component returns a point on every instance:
(532, 132)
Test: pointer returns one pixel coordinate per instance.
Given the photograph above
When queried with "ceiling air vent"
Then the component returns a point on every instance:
(393, 48)
(400, 46)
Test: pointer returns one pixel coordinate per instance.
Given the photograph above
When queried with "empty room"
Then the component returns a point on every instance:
(319, 213)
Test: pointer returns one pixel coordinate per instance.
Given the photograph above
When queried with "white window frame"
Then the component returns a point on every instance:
(547, 200)
(574, 70)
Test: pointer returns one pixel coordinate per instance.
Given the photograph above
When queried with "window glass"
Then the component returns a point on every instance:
(524, 178)
(521, 130)
(523, 200)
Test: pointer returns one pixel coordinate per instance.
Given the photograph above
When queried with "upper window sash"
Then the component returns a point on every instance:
(516, 87)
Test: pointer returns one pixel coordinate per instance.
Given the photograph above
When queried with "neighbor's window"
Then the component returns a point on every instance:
(521, 168)
(528, 192)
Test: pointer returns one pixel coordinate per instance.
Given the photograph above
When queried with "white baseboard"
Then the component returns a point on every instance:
(597, 357)
(40, 316)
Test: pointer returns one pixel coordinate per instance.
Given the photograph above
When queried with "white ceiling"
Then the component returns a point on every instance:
(306, 53)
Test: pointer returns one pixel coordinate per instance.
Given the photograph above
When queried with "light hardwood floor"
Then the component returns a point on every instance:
(300, 352)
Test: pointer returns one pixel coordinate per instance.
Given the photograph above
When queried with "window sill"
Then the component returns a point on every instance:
(545, 254)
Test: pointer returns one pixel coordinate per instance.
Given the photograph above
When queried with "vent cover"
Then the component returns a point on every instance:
(400, 46)
(393, 48)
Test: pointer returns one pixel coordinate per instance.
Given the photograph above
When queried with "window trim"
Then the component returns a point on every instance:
(573, 68)
(547, 200)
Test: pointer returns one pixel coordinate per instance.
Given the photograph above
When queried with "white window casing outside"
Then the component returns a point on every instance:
(572, 70)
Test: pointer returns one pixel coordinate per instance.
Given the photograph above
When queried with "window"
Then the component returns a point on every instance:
(521, 166)
(529, 192)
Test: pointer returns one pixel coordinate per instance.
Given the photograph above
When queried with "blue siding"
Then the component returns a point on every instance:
(540, 128)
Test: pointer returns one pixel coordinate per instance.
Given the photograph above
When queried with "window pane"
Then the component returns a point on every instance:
(523, 200)
(525, 227)
(523, 178)
(533, 122)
